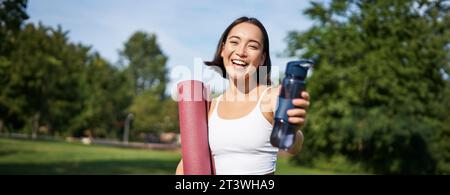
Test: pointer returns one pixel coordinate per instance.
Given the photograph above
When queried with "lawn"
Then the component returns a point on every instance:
(47, 157)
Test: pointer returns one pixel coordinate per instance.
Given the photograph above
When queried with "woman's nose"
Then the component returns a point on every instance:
(240, 51)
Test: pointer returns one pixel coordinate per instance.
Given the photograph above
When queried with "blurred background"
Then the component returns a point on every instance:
(85, 86)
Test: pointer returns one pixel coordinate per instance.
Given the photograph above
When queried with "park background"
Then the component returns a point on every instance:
(71, 72)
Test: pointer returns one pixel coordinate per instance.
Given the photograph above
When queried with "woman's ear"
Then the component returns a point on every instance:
(221, 49)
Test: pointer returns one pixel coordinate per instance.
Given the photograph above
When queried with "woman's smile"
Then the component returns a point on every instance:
(239, 62)
(239, 65)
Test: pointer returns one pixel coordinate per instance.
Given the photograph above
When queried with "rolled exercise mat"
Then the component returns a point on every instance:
(193, 105)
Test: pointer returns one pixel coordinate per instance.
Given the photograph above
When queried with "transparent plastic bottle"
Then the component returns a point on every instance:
(283, 133)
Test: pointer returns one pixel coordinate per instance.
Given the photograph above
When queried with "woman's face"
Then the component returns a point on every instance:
(242, 52)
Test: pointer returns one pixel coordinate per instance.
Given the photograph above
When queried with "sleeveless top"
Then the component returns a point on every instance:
(242, 146)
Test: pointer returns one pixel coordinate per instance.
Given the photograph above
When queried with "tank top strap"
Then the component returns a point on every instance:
(216, 106)
(262, 95)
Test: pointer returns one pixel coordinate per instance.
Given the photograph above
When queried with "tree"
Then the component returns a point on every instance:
(106, 94)
(43, 84)
(146, 63)
(63, 87)
(12, 15)
(153, 111)
(377, 88)
(154, 115)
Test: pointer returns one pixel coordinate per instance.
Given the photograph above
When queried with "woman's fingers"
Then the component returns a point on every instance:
(296, 112)
(302, 103)
(305, 95)
(296, 120)
(297, 115)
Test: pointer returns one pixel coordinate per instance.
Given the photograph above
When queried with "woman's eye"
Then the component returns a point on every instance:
(254, 47)
(234, 42)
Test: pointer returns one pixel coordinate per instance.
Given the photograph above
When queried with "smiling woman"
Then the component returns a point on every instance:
(240, 120)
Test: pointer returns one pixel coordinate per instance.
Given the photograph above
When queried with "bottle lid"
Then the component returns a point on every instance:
(298, 68)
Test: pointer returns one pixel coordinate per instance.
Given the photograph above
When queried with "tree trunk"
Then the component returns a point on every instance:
(127, 128)
(35, 125)
(1, 126)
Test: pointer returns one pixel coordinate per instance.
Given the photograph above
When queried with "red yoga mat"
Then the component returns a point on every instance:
(193, 106)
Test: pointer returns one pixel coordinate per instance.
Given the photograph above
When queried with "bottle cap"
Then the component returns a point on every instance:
(298, 68)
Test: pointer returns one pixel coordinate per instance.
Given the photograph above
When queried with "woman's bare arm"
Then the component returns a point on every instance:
(180, 170)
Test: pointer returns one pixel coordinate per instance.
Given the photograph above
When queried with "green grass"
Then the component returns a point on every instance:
(45, 157)
(285, 167)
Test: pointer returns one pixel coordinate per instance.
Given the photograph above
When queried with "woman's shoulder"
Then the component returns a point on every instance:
(272, 92)
(269, 98)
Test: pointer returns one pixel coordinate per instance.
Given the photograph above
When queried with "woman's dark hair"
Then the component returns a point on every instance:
(218, 60)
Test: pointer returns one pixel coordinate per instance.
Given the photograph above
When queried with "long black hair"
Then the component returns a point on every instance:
(218, 60)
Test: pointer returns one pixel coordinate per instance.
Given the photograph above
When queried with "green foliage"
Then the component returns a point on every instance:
(377, 90)
(42, 82)
(107, 93)
(153, 110)
(61, 88)
(153, 114)
(146, 63)
(12, 15)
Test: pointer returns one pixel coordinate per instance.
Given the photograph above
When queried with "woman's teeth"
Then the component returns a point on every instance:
(239, 62)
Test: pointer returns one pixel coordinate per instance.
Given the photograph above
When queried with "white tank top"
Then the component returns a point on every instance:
(242, 146)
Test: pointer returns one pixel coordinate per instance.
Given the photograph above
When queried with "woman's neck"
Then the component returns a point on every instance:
(243, 89)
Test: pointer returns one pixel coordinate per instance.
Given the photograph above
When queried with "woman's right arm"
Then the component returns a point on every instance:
(180, 170)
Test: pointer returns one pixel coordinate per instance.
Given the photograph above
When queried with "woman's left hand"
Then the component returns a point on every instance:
(297, 115)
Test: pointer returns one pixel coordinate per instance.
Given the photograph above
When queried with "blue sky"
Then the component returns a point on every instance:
(185, 29)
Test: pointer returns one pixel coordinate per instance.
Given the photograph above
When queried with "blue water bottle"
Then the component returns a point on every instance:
(283, 133)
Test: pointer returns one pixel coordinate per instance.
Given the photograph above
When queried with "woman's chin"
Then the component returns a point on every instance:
(238, 73)
(237, 76)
